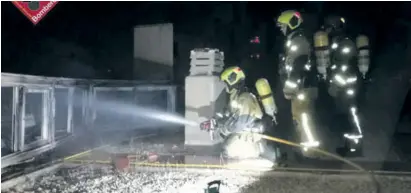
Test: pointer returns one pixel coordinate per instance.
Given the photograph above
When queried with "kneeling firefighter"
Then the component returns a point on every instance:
(346, 62)
(243, 117)
(300, 79)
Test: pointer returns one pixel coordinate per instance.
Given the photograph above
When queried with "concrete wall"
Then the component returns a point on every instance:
(149, 70)
(153, 52)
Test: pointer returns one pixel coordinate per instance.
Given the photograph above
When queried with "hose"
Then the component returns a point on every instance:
(286, 142)
(356, 166)
(267, 137)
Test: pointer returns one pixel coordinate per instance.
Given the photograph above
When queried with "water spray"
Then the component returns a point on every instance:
(138, 111)
(133, 110)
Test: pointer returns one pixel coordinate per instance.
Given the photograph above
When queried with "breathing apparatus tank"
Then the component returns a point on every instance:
(322, 52)
(363, 54)
(266, 96)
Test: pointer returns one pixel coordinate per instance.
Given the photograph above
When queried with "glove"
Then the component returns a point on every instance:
(209, 125)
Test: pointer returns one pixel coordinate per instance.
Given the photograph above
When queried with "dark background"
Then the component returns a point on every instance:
(95, 39)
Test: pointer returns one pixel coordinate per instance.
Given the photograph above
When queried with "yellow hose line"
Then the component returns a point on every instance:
(82, 153)
(278, 140)
(286, 142)
(77, 155)
(283, 141)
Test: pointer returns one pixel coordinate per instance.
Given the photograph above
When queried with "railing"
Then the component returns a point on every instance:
(39, 113)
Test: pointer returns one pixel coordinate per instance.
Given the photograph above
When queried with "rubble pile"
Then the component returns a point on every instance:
(103, 179)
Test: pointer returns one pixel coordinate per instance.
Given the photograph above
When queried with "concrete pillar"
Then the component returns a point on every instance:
(204, 94)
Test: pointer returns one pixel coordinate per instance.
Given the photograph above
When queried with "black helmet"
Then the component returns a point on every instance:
(334, 24)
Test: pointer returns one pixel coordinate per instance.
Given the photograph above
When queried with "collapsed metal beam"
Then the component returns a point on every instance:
(19, 157)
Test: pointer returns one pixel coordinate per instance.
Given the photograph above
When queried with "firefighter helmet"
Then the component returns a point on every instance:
(233, 77)
(289, 20)
(334, 23)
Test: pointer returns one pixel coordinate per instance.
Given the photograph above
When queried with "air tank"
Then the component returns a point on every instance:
(362, 42)
(320, 39)
(266, 96)
(322, 52)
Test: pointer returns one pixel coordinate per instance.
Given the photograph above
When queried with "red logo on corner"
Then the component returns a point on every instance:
(35, 11)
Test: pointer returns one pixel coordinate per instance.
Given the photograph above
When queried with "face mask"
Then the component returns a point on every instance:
(229, 89)
(283, 28)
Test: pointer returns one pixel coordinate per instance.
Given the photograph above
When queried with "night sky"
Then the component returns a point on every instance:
(98, 35)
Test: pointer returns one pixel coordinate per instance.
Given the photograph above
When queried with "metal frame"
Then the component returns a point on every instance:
(22, 79)
(172, 100)
(70, 99)
(171, 94)
(126, 88)
(95, 91)
(46, 131)
(105, 89)
(23, 84)
(16, 119)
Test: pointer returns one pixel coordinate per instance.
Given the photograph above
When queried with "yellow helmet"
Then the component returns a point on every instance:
(289, 19)
(232, 76)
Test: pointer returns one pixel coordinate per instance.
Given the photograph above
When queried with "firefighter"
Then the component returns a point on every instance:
(344, 63)
(299, 78)
(243, 116)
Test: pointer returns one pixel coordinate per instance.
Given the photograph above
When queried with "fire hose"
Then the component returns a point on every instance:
(356, 166)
